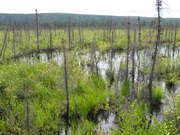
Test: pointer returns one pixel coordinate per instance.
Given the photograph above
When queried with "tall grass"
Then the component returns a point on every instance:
(46, 97)
(157, 94)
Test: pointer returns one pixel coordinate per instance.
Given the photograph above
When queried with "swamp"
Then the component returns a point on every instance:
(90, 80)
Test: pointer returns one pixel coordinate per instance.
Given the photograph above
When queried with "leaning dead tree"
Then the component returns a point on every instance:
(158, 41)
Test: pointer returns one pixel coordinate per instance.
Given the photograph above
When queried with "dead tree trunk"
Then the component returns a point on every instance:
(127, 50)
(69, 32)
(133, 66)
(27, 110)
(66, 82)
(4, 45)
(139, 25)
(171, 36)
(111, 48)
(175, 38)
(14, 41)
(138, 55)
(158, 38)
(94, 58)
(80, 36)
(37, 30)
(50, 38)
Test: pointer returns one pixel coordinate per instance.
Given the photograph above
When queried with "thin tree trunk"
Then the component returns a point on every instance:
(111, 49)
(94, 58)
(127, 50)
(158, 38)
(175, 38)
(80, 36)
(27, 110)
(4, 44)
(66, 82)
(69, 32)
(14, 41)
(133, 65)
(72, 29)
(37, 30)
(50, 38)
(171, 36)
(138, 55)
(139, 24)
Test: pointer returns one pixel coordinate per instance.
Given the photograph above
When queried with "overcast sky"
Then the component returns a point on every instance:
(98, 7)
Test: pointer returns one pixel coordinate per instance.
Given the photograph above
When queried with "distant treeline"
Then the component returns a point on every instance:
(61, 19)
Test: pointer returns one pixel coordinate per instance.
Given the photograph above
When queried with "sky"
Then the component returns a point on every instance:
(98, 7)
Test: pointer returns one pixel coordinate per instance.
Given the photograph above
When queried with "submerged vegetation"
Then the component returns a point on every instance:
(69, 80)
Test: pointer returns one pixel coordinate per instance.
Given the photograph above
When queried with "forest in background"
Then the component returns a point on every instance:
(61, 19)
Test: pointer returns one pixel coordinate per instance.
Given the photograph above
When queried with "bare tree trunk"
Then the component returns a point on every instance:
(127, 50)
(37, 29)
(171, 36)
(111, 49)
(133, 66)
(27, 110)
(50, 38)
(80, 36)
(72, 39)
(94, 58)
(14, 41)
(138, 55)
(158, 38)
(139, 24)
(104, 34)
(4, 44)
(66, 82)
(69, 32)
(175, 38)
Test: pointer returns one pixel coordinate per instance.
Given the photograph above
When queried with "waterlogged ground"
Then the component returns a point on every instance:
(115, 61)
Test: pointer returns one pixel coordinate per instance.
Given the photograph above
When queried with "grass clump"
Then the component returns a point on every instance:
(157, 94)
(172, 117)
(132, 120)
(125, 88)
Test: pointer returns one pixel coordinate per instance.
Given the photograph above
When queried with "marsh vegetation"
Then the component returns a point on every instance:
(90, 80)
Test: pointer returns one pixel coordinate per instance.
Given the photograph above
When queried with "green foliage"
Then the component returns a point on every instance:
(103, 46)
(173, 77)
(172, 117)
(110, 76)
(84, 128)
(157, 94)
(46, 97)
(91, 95)
(125, 88)
(132, 120)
